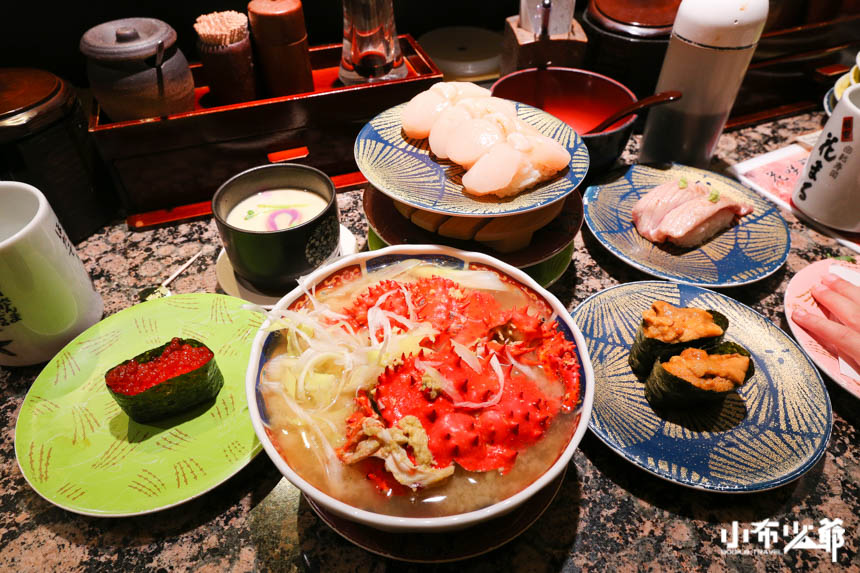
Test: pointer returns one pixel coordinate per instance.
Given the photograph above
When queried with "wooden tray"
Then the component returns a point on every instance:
(160, 163)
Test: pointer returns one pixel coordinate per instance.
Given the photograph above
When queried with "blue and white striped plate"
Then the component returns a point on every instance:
(405, 170)
(830, 101)
(754, 248)
(770, 433)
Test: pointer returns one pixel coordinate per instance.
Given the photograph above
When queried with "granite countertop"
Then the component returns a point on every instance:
(608, 515)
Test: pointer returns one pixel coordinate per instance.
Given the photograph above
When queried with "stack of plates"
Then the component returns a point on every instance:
(544, 259)
(411, 185)
(464, 53)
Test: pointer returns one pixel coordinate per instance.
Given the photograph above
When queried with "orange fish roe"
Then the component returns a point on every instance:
(132, 377)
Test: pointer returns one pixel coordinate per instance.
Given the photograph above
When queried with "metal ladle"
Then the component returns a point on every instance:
(650, 101)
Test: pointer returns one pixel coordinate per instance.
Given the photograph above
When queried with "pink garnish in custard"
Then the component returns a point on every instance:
(271, 222)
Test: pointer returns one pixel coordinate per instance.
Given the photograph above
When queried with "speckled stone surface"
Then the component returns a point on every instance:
(609, 515)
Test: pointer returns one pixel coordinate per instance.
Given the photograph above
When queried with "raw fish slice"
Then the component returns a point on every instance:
(455, 91)
(494, 171)
(545, 152)
(697, 221)
(520, 162)
(472, 140)
(652, 207)
(482, 106)
(544, 158)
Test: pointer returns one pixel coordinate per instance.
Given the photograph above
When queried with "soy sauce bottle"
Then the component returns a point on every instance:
(371, 49)
(709, 51)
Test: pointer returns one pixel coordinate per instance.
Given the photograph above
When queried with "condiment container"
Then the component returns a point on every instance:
(627, 40)
(136, 70)
(175, 161)
(711, 46)
(44, 142)
(224, 45)
(371, 51)
(281, 42)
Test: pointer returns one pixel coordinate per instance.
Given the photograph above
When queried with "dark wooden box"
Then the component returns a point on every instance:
(159, 163)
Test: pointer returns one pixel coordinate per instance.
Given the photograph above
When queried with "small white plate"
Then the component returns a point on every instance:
(798, 296)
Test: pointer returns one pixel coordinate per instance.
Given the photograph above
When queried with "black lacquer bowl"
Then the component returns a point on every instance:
(271, 261)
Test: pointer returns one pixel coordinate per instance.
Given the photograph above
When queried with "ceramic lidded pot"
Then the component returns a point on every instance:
(136, 70)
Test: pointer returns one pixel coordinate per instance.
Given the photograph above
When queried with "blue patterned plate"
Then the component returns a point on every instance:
(405, 170)
(747, 252)
(830, 101)
(773, 431)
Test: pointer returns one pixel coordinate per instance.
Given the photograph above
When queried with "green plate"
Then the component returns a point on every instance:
(79, 451)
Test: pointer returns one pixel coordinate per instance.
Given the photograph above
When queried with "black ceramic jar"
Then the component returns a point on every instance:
(627, 40)
(271, 261)
(44, 142)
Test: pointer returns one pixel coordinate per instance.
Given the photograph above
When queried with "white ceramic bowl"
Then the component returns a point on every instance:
(432, 524)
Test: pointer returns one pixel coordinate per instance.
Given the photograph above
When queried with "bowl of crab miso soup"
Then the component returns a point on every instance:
(419, 388)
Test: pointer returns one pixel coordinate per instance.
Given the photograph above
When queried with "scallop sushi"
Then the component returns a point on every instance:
(424, 109)
(503, 155)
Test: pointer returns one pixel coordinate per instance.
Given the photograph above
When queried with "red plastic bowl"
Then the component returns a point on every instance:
(580, 98)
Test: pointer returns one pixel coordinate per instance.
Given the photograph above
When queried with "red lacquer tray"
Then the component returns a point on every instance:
(166, 162)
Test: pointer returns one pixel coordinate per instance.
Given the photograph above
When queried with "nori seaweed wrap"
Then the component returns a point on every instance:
(166, 380)
(646, 350)
(664, 388)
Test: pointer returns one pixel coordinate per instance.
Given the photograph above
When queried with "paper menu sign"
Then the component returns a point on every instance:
(774, 175)
(779, 176)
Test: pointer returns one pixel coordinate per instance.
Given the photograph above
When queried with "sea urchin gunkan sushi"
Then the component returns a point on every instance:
(695, 376)
(666, 330)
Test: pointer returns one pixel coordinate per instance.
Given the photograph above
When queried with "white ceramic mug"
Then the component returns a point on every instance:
(46, 295)
(829, 190)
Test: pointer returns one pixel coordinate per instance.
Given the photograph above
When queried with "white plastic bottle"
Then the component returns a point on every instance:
(709, 51)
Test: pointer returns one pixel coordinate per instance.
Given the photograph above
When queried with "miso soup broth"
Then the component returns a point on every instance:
(276, 209)
(418, 390)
